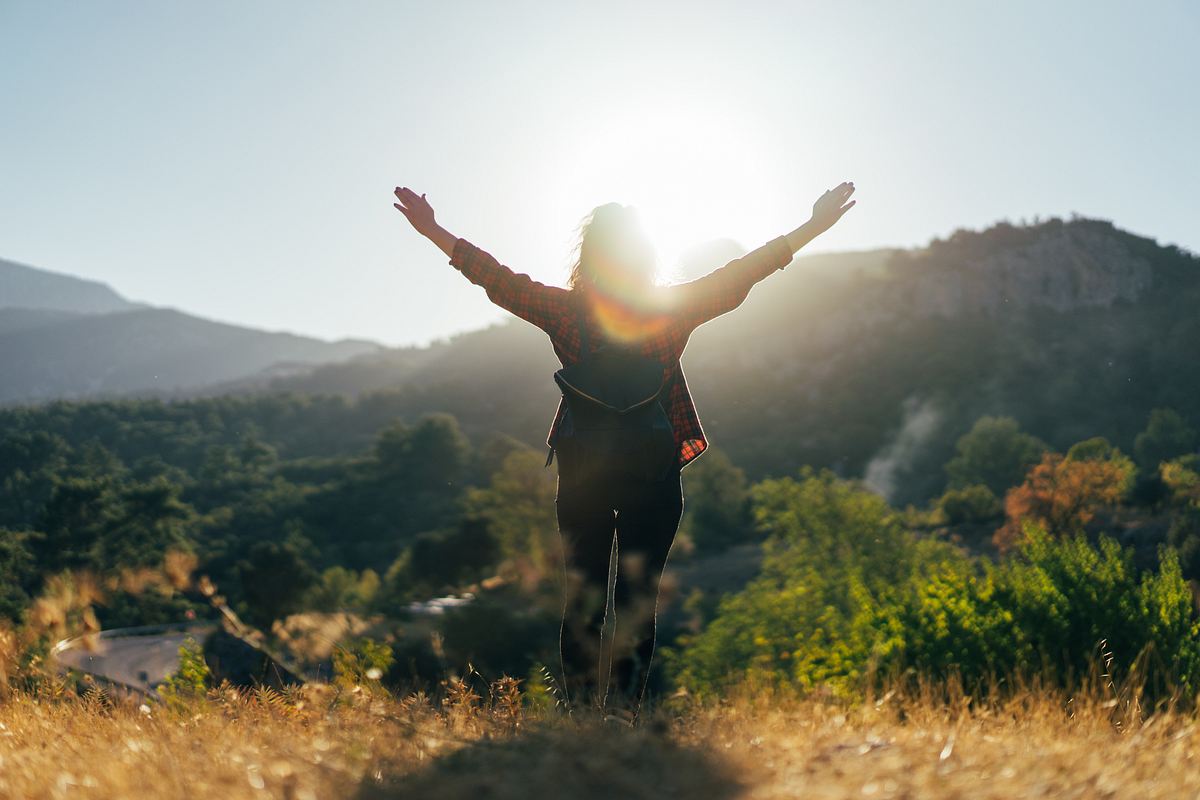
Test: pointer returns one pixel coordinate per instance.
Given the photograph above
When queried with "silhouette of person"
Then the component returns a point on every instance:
(612, 296)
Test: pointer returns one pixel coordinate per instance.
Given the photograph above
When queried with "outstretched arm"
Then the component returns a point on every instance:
(517, 293)
(420, 215)
(725, 288)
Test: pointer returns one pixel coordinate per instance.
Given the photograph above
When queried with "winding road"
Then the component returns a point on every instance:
(135, 658)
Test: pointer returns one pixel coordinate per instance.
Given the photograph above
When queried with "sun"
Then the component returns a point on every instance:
(694, 174)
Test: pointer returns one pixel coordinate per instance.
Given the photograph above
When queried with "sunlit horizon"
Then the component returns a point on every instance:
(237, 162)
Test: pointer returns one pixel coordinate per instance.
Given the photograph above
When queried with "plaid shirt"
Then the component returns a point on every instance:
(678, 310)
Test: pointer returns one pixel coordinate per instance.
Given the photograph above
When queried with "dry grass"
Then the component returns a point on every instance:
(314, 745)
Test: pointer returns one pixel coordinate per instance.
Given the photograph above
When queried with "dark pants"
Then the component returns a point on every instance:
(600, 517)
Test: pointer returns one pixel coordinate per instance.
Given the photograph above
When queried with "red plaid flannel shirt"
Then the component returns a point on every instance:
(689, 305)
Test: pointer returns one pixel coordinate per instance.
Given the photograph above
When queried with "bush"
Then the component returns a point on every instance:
(975, 503)
(190, 680)
(1047, 610)
(835, 556)
(717, 512)
(1063, 495)
(499, 636)
(341, 589)
(1181, 482)
(361, 662)
(438, 562)
(845, 593)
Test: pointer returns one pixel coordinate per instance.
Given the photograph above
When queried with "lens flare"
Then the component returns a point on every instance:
(632, 317)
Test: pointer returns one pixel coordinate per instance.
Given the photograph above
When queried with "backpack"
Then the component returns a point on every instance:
(615, 423)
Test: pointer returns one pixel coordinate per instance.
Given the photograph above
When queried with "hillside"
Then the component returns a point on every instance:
(150, 349)
(65, 337)
(312, 744)
(875, 363)
(870, 363)
(23, 286)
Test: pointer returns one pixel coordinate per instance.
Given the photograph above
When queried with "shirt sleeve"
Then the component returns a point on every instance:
(726, 287)
(534, 302)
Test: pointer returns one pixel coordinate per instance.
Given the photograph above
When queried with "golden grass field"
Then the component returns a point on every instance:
(311, 744)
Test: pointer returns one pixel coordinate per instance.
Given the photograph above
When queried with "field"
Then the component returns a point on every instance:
(313, 744)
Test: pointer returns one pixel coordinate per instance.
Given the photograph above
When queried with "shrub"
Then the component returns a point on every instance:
(717, 513)
(436, 563)
(361, 662)
(835, 555)
(1046, 610)
(1064, 494)
(500, 635)
(845, 593)
(975, 503)
(342, 589)
(190, 680)
(1181, 480)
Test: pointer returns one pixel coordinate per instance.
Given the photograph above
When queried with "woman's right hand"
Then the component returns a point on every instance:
(830, 206)
(416, 210)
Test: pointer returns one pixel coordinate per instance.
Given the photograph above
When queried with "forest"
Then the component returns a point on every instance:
(1026, 557)
(976, 458)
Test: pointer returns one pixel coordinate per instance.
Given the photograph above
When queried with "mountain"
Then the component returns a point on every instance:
(22, 286)
(874, 363)
(64, 337)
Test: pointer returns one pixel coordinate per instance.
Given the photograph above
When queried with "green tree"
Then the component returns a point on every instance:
(104, 525)
(30, 463)
(73, 521)
(1166, 436)
(518, 508)
(426, 457)
(834, 555)
(17, 575)
(341, 589)
(412, 481)
(717, 512)
(994, 453)
(274, 579)
(149, 520)
(437, 562)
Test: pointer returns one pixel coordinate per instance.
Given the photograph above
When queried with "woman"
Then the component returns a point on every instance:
(613, 298)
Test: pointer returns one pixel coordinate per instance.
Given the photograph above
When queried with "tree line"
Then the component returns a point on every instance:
(1026, 555)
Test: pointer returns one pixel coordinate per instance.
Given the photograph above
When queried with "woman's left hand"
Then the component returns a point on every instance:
(417, 210)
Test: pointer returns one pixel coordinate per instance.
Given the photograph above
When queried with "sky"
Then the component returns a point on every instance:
(236, 159)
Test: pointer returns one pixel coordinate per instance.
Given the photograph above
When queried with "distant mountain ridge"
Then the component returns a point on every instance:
(1075, 327)
(66, 337)
(1085, 263)
(22, 286)
(869, 363)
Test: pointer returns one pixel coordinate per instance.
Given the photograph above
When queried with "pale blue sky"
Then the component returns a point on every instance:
(235, 159)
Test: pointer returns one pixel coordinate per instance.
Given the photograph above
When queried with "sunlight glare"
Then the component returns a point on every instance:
(694, 176)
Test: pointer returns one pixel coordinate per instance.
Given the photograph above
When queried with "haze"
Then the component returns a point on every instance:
(236, 160)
